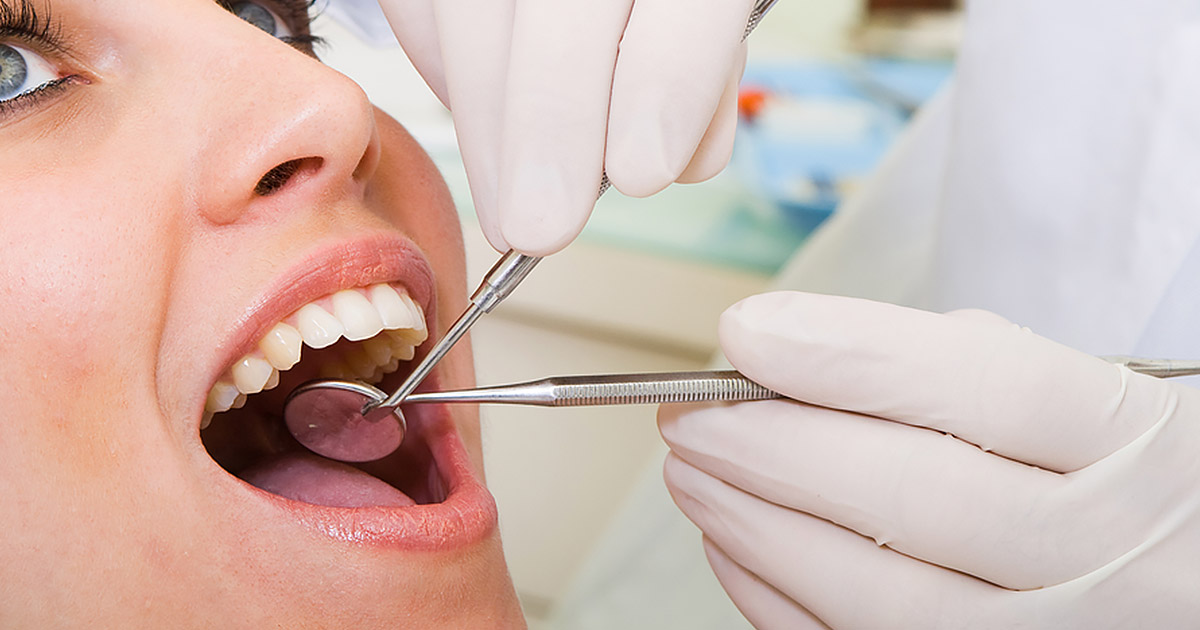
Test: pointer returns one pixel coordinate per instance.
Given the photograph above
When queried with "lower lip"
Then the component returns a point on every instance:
(467, 515)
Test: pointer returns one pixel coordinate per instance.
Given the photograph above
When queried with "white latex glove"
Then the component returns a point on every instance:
(547, 94)
(1008, 481)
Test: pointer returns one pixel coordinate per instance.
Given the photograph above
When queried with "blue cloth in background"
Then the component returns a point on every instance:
(825, 126)
(854, 111)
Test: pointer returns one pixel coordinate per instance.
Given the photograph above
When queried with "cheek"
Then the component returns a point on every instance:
(411, 191)
(83, 271)
(80, 276)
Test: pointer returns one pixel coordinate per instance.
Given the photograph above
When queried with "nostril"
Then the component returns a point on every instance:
(279, 176)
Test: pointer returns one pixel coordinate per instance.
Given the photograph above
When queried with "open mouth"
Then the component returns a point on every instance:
(370, 334)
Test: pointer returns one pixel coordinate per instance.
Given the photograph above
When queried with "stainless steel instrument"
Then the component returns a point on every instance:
(498, 284)
(327, 416)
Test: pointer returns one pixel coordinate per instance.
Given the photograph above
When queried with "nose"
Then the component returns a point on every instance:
(273, 120)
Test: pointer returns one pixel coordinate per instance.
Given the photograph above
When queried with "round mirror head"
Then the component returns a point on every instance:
(326, 417)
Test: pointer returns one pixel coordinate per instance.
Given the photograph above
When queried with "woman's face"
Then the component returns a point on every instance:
(176, 183)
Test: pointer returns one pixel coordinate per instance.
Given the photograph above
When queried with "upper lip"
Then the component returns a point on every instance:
(468, 513)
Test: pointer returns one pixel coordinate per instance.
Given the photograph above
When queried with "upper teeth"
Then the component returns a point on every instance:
(356, 315)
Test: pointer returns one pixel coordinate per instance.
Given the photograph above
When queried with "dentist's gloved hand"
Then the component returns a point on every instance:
(948, 471)
(547, 94)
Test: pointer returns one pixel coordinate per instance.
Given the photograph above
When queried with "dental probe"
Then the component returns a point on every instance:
(501, 280)
(497, 284)
(310, 409)
(325, 415)
(1160, 368)
(653, 388)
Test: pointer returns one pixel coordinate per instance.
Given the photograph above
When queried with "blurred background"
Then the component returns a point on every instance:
(591, 536)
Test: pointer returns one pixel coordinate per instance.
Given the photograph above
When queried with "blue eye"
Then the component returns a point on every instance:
(263, 18)
(23, 72)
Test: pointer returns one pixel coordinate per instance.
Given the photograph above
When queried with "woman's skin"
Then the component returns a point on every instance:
(137, 263)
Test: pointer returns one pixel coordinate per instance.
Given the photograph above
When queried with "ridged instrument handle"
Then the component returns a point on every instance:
(612, 389)
(660, 388)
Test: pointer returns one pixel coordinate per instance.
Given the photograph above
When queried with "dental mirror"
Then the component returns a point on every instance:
(349, 421)
(326, 417)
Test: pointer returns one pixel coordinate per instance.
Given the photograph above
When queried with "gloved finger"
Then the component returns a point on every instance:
(921, 492)
(555, 116)
(716, 147)
(413, 22)
(844, 579)
(762, 604)
(475, 37)
(674, 62)
(1001, 388)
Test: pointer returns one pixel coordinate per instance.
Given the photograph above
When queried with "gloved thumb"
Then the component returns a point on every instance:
(968, 375)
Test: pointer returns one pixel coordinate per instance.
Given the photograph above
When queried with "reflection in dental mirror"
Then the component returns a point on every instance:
(326, 417)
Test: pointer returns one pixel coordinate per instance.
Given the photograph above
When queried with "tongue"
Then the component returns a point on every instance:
(312, 479)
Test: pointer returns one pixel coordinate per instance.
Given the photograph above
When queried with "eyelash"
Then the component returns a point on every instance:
(16, 104)
(21, 20)
(297, 15)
